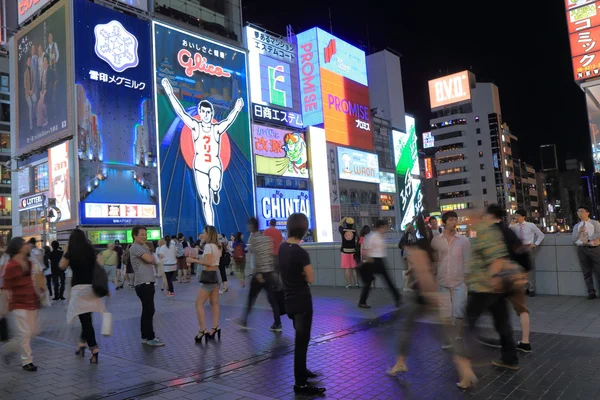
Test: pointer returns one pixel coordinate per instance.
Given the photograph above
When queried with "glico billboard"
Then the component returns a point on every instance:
(449, 89)
(275, 87)
(333, 85)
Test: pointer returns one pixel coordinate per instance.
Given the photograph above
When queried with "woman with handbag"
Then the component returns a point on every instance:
(210, 283)
(24, 300)
(81, 258)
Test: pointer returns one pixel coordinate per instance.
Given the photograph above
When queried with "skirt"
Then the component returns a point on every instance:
(348, 261)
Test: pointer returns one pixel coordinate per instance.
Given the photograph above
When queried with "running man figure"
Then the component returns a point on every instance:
(208, 169)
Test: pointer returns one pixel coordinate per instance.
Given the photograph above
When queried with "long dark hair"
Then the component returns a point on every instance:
(80, 249)
(426, 236)
(238, 237)
(168, 240)
(14, 246)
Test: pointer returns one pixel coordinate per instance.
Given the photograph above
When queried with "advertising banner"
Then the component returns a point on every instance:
(571, 4)
(204, 132)
(279, 152)
(585, 17)
(310, 77)
(449, 89)
(42, 58)
(428, 168)
(586, 66)
(407, 169)
(279, 204)
(58, 166)
(275, 85)
(27, 8)
(118, 174)
(357, 165)
(585, 41)
(428, 140)
(387, 182)
(123, 236)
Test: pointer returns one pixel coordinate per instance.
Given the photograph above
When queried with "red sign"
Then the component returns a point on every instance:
(428, 168)
(584, 42)
(586, 66)
(199, 63)
(571, 4)
(584, 17)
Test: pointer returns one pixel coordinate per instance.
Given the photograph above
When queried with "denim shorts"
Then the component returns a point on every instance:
(209, 287)
(453, 301)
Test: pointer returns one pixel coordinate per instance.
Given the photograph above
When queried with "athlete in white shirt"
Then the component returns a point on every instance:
(208, 169)
(532, 237)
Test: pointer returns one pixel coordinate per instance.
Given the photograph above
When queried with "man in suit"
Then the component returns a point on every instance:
(30, 96)
(586, 235)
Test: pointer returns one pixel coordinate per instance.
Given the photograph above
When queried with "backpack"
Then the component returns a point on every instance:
(239, 254)
(125, 257)
(179, 249)
(100, 281)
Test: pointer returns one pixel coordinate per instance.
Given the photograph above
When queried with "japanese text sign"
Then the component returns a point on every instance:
(279, 152)
(449, 89)
(571, 4)
(357, 165)
(279, 204)
(586, 66)
(428, 168)
(584, 17)
(310, 78)
(27, 8)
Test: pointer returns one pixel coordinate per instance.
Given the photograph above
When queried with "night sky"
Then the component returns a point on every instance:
(522, 47)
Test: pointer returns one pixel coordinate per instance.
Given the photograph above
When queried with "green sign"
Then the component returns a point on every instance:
(106, 237)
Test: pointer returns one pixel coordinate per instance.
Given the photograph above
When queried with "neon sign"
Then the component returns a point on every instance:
(199, 63)
(115, 45)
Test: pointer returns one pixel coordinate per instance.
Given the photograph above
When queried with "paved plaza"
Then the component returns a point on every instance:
(351, 349)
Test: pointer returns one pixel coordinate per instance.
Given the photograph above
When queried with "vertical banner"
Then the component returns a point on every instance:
(118, 161)
(203, 131)
(58, 165)
(42, 60)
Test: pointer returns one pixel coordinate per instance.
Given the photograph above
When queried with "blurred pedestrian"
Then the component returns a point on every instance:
(348, 250)
(47, 269)
(239, 258)
(58, 275)
(109, 258)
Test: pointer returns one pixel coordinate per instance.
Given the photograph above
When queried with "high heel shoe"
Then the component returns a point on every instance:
(216, 332)
(201, 335)
(80, 350)
(398, 368)
(467, 382)
(94, 357)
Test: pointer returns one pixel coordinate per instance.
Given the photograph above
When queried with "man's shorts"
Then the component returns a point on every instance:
(453, 301)
(111, 271)
(181, 263)
(517, 300)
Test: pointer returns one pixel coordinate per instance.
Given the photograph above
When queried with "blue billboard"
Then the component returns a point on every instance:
(279, 204)
(203, 131)
(360, 166)
(117, 149)
(310, 78)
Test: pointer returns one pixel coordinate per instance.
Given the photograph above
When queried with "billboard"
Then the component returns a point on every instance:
(310, 77)
(586, 66)
(428, 168)
(28, 8)
(407, 168)
(428, 140)
(582, 18)
(571, 4)
(325, 195)
(203, 132)
(275, 86)
(279, 152)
(123, 236)
(387, 182)
(449, 89)
(115, 118)
(59, 170)
(584, 41)
(355, 165)
(279, 204)
(42, 58)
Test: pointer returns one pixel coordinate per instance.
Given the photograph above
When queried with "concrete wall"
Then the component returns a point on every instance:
(557, 266)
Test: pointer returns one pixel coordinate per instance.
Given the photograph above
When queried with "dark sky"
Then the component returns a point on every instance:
(522, 47)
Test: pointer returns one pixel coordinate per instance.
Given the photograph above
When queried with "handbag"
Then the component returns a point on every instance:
(107, 324)
(100, 281)
(513, 277)
(209, 277)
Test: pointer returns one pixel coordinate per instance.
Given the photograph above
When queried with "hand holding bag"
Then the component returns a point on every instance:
(107, 324)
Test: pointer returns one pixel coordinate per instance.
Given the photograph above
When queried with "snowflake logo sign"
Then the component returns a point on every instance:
(116, 46)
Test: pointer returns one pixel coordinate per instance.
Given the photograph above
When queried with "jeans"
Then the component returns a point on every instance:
(302, 325)
(146, 294)
(222, 272)
(495, 303)
(170, 276)
(368, 271)
(59, 290)
(270, 285)
(87, 330)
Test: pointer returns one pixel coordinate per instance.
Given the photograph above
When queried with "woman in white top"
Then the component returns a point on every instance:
(210, 284)
(167, 255)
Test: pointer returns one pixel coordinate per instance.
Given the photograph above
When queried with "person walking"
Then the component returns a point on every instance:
(264, 275)
(109, 258)
(168, 257)
(58, 275)
(24, 301)
(182, 271)
(275, 235)
(586, 236)
(213, 249)
(224, 262)
(120, 277)
(374, 248)
(239, 258)
(452, 253)
(81, 258)
(348, 251)
(297, 274)
(47, 269)
(532, 237)
(143, 263)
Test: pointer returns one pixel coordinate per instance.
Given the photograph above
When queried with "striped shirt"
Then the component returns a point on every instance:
(261, 248)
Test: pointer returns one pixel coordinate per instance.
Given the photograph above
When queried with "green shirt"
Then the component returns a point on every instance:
(487, 247)
(109, 257)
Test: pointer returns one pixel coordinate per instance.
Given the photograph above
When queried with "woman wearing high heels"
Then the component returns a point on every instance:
(81, 258)
(210, 283)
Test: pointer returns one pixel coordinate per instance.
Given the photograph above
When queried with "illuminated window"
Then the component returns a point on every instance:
(480, 154)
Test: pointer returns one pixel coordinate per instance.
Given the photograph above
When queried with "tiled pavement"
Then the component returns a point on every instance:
(350, 347)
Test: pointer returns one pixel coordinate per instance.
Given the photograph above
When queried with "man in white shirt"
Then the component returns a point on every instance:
(531, 237)
(374, 248)
(452, 254)
(586, 235)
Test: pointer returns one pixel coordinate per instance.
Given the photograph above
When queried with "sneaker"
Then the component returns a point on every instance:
(144, 341)
(489, 342)
(524, 347)
(30, 367)
(156, 342)
(240, 322)
(364, 306)
(502, 364)
(308, 389)
(348, 286)
(170, 294)
(275, 328)
(591, 296)
(447, 346)
(357, 286)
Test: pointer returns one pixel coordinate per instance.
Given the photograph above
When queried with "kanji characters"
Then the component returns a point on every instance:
(103, 77)
(94, 75)
(260, 144)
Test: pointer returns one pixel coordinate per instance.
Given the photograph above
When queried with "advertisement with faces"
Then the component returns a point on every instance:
(275, 87)
(58, 165)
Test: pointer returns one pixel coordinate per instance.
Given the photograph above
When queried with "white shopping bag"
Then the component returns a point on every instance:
(107, 324)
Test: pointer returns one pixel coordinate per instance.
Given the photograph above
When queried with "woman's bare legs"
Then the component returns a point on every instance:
(214, 305)
(200, 301)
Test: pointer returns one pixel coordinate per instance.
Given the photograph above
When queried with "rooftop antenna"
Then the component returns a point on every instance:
(291, 36)
(330, 23)
(368, 40)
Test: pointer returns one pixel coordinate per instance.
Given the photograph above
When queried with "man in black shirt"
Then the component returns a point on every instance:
(297, 274)
(58, 275)
(119, 251)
